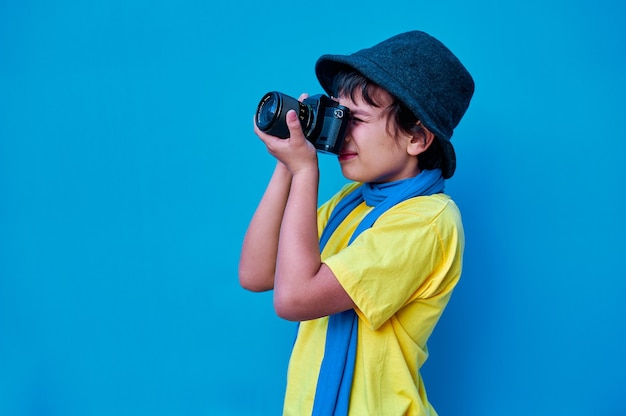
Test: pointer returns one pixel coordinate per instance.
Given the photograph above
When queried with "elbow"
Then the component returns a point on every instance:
(252, 282)
(251, 286)
(287, 307)
(283, 310)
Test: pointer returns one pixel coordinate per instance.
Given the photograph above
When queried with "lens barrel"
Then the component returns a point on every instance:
(271, 112)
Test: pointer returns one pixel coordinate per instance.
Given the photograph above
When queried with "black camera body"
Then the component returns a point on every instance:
(324, 121)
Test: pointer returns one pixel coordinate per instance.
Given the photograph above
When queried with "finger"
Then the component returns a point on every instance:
(293, 123)
(270, 141)
(303, 96)
(256, 128)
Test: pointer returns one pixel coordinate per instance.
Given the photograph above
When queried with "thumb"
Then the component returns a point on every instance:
(293, 123)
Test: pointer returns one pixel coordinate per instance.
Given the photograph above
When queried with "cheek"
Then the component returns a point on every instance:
(384, 143)
(373, 139)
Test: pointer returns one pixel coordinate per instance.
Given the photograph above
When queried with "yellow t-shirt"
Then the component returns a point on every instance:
(400, 273)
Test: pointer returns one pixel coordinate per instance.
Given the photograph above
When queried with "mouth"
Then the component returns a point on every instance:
(343, 156)
(346, 154)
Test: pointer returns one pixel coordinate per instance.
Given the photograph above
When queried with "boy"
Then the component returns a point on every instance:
(391, 241)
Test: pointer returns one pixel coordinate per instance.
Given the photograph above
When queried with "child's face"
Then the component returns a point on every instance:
(371, 151)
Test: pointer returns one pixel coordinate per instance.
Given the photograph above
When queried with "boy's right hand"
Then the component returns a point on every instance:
(296, 152)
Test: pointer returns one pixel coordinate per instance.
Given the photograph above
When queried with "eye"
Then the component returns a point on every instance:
(355, 120)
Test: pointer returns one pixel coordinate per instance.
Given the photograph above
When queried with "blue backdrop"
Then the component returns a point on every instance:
(129, 171)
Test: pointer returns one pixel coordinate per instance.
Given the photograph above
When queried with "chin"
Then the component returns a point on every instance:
(350, 175)
(356, 178)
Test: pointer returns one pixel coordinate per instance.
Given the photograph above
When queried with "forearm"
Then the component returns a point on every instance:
(257, 264)
(298, 259)
(288, 250)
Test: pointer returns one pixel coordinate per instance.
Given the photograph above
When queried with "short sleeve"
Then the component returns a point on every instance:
(409, 254)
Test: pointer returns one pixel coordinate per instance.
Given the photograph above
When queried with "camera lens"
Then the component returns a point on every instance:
(267, 111)
(271, 112)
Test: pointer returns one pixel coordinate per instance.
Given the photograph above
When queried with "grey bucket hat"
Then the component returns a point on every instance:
(421, 72)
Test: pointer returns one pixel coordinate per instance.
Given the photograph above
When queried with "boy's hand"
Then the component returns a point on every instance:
(295, 152)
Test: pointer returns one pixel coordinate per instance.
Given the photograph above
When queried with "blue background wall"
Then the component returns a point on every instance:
(129, 170)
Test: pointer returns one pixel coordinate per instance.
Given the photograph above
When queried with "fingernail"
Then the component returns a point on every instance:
(291, 115)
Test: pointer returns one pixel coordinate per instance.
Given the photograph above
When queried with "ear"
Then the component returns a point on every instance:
(420, 141)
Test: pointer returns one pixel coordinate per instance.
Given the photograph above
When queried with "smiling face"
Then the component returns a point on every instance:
(373, 152)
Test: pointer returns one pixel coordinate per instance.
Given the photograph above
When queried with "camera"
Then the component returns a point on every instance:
(324, 121)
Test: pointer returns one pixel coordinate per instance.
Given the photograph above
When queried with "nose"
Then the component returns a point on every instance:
(348, 135)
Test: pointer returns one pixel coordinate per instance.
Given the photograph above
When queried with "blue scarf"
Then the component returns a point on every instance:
(334, 383)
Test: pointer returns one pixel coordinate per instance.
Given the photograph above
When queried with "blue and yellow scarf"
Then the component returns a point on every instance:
(334, 383)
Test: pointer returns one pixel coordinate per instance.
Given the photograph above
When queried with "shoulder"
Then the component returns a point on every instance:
(433, 220)
(438, 208)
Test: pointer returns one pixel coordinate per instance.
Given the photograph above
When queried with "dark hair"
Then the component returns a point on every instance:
(399, 117)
